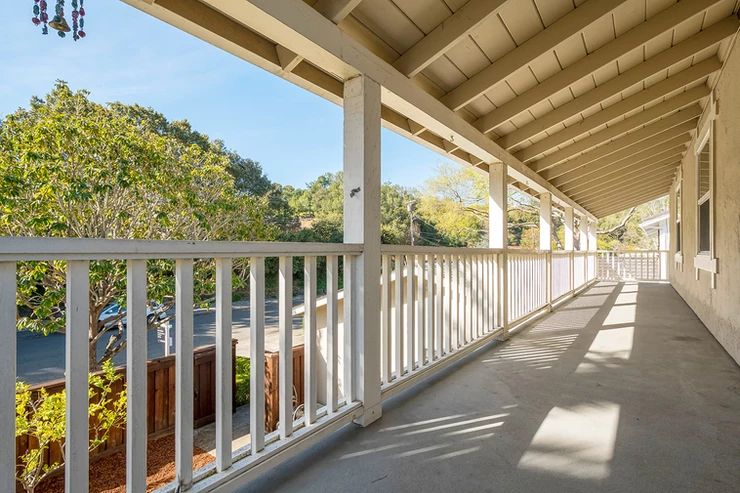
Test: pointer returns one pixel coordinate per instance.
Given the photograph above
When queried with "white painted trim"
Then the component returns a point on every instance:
(704, 261)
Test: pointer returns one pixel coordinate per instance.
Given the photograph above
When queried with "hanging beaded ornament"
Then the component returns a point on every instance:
(40, 16)
(58, 22)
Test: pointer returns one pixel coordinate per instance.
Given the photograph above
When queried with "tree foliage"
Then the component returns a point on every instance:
(70, 167)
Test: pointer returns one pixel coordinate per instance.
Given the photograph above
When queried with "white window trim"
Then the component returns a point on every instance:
(678, 223)
(704, 259)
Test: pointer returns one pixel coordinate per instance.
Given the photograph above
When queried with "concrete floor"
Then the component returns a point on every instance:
(621, 389)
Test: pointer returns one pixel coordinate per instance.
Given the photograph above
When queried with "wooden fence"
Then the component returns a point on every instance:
(160, 399)
(272, 385)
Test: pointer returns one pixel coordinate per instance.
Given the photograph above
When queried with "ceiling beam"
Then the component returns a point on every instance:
(609, 175)
(622, 127)
(656, 25)
(627, 184)
(624, 147)
(301, 29)
(673, 147)
(446, 35)
(616, 110)
(547, 40)
(609, 209)
(626, 195)
(336, 10)
(637, 74)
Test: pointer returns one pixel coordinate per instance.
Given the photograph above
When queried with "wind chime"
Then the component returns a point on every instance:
(59, 22)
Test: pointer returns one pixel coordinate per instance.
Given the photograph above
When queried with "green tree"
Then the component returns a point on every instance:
(622, 231)
(70, 167)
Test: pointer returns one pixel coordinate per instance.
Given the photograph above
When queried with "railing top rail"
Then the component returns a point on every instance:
(525, 251)
(36, 248)
(419, 250)
(632, 251)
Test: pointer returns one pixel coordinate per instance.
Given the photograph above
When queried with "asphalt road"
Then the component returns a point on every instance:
(41, 358)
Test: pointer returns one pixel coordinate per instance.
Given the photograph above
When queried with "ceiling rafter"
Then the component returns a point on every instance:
(612, 174)
(610, 207)
(637, 74)
(628, 190)
(672, 147)
(627, 183)
(446, 35)
(622, 127)
(661, 89)
(654, 26)
(569, 25)
(628, 145)
(336, 10)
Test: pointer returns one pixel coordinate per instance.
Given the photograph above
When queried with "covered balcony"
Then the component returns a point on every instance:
(468, 369)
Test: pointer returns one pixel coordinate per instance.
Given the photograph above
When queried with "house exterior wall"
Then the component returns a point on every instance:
(719, 308)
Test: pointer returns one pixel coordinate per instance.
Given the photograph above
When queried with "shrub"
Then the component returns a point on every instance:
(242, 380)
(41, 416)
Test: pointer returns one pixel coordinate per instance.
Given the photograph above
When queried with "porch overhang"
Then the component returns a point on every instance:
(541, 89)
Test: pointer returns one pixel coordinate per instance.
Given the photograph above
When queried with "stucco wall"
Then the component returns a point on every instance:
(718, 308)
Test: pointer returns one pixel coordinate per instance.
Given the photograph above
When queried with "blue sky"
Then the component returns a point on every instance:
(129, 56)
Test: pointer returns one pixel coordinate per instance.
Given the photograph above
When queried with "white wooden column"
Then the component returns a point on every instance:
(568, 226)
(546, 242)
(362, 225)
(498, 232)
(8, 315)
(583, 234)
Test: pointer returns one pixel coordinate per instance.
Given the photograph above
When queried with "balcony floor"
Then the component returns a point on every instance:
(621, 389)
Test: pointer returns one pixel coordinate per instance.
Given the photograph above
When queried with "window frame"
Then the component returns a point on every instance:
(678, 219)
(704, 260)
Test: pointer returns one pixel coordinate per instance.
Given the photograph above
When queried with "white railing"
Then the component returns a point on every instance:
(561, 274)
(337, 406)
(641, 265)
(437, 305)
(434, 302)
(527, 273)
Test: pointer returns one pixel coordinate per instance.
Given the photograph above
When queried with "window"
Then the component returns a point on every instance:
(703, 165)
(679, 248)
(705, 259)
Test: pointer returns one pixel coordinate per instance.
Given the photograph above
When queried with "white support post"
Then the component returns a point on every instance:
(8, 315)
(285, 365)
(362, 225)
(546, 242)
(498, 234)
(136, 380)
(223, 364)
(568, 225)
(184, 373)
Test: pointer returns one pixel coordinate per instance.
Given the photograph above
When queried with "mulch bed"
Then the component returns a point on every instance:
(108, 475)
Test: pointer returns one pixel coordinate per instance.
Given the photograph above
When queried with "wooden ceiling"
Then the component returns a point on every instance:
(593, 100)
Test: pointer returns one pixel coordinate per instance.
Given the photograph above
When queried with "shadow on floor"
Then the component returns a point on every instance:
(621, 389)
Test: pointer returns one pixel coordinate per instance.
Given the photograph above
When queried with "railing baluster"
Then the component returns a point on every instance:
(476, 297)
(332, 333)
(348, 383)
(438, 305)
(410, 283)
(468, 300)
(419, 329)
(136, 375)
(256, 353)
(386, 320)
(429, 328)
(285, 363)
(455, 302)
(448, 304)
(8, 314)
(184, 373)
(309, 334)
(223, 363)
(398, 317)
